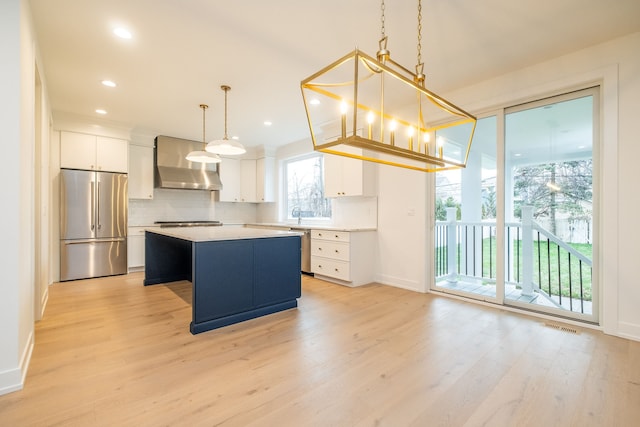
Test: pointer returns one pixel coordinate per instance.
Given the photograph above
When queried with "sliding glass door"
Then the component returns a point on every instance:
(518, 225)
(549, 205)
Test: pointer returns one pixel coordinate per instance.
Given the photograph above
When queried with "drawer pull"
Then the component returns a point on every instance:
(337, 236)
(337, 269)
(337, 251)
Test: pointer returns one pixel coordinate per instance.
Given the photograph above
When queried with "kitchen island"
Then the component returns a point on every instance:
(236, 273)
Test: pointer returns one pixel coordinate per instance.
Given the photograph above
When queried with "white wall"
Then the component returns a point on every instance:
(402, 227)
(17, 121)
(614, 65)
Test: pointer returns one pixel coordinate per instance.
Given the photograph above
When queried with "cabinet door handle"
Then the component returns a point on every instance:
(337, 269)
(337, 251)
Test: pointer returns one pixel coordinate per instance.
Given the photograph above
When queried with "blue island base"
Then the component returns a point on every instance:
(196, 328)
(231, 280)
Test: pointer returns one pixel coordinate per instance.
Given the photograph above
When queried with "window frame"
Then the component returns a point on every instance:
(286, 210)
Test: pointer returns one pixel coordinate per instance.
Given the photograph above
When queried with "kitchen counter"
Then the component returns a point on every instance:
(293, 226)
(210, 234)
(236, 273)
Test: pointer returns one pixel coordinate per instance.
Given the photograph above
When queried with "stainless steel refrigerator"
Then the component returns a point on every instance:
(93, 224)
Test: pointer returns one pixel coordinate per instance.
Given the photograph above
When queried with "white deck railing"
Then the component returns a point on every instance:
(469, 249)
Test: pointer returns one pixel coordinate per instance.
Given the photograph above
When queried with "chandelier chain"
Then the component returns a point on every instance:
(419, 32)
(382, 18)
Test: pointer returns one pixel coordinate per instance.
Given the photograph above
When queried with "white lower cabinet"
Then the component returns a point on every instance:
(344, 257)
(135, 247)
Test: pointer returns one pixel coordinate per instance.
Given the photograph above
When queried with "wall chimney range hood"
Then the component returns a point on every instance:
(173, 170)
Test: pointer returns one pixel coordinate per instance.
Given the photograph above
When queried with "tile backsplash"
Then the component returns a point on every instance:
(187, 205)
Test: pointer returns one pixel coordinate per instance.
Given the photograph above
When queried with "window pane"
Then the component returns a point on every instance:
(305, 189)
(549, 205)
(466, 204)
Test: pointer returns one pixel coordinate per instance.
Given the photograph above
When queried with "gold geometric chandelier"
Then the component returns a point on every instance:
(374, 109)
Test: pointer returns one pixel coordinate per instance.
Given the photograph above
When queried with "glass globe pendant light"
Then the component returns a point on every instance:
(202, 156)
(225, 146)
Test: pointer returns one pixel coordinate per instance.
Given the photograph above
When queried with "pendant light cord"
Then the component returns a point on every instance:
(226, 89)
(204, 107)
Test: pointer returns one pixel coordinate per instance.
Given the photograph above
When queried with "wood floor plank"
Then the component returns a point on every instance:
(112, 352)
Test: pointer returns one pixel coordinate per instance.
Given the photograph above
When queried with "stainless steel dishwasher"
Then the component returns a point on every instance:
(305, 259)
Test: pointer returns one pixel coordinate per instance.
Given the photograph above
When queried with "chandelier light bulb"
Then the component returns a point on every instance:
(370, 118)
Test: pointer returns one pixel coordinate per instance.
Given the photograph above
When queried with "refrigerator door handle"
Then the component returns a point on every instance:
(93, 201)
(98, 206)
(85, 241)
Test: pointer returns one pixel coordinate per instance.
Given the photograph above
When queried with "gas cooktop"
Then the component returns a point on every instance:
(164, 224)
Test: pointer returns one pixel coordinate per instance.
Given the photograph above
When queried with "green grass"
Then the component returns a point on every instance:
(559, 282)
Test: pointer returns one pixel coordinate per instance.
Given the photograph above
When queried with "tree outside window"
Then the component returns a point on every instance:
(305, 188)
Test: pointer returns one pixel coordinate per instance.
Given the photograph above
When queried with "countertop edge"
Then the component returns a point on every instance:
(212, 234)
(310, 226)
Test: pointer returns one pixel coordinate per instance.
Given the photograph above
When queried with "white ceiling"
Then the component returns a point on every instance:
(182, 51)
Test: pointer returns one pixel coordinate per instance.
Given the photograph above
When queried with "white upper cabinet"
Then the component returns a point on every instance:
(230, 177)
(248, 181)
(91, 152)
(140, 172)
(344, 176)
(265, 179)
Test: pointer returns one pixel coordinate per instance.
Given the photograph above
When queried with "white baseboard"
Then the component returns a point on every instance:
(398, 282)
(43, 302)
(13, 379)
(629, 331)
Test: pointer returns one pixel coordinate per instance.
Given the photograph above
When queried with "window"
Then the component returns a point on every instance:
(304, 188)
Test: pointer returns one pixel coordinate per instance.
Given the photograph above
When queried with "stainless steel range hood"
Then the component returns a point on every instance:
(173, 170)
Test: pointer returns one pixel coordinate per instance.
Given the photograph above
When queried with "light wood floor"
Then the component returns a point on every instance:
(110, 352)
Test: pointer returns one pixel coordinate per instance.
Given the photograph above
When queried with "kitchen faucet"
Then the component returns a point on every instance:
(297, 211)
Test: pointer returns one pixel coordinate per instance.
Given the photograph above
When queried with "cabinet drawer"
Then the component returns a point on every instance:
(329, 249)
(339, 236)
(330, 267)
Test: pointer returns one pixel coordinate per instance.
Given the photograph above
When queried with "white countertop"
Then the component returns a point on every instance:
(208, 234)
(294, 226)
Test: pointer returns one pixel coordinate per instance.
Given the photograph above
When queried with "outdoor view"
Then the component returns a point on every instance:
(305, 189)
(548, 212)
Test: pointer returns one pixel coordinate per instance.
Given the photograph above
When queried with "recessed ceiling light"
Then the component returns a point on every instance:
(314, 101)
(235, 137)
(580, 147)
(517, 154)
(267, 123)
(122, 33)
(101, 111)
(108, 83)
